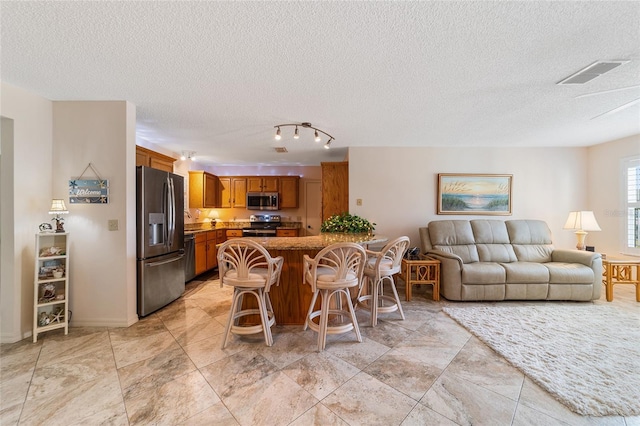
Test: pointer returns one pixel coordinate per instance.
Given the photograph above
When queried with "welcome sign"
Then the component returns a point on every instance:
(89, 191)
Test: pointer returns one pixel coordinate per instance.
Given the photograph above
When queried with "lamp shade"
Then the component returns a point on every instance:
(58, 207)
(582, 221)
(213, 214)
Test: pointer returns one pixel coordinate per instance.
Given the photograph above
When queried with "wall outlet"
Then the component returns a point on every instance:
(358, 201)
(113, 224)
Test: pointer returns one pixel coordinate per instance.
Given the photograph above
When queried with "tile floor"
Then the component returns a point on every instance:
(168, 369)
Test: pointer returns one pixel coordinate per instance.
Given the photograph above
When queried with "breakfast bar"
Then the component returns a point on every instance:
(291, 298)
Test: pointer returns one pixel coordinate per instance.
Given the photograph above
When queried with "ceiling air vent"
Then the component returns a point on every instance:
(281, 149)
(592, 71)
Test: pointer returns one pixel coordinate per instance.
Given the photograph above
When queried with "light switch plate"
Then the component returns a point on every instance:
(113, 224)
(358, 201)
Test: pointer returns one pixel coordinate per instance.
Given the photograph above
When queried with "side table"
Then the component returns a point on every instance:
(621, 272)
(423, 270)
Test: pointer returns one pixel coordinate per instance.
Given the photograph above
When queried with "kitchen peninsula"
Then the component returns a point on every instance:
(292, 297)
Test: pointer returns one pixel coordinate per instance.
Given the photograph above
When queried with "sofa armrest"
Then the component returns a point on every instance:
(445, 255)
(586, 258)
(451, 266)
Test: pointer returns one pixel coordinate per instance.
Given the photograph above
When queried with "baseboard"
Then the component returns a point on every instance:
(14, 337)
(101, 322)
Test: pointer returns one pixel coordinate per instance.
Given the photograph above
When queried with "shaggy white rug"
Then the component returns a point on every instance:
(586, 355)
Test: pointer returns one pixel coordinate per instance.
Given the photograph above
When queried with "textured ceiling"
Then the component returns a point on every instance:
(215, 77)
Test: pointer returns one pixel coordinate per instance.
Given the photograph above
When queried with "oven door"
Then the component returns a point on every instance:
(257, 232)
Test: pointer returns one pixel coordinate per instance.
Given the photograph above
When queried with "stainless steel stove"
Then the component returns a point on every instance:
(262, 225)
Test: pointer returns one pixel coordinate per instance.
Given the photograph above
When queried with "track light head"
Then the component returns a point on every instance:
(306, 125)
(328, 144)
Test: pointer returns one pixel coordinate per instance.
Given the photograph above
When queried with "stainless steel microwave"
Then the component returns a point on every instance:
(262, 201)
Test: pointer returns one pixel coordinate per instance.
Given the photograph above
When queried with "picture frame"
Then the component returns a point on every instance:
(474, 194)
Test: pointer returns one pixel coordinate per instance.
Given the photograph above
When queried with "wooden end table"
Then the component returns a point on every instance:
(423, 270)
(621, 272)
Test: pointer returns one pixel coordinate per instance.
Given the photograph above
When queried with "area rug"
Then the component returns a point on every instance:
(586, 355)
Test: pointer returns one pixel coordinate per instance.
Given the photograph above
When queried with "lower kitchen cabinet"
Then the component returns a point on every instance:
(206, 251)
(201, 253)
(286, 232)
(234, 233)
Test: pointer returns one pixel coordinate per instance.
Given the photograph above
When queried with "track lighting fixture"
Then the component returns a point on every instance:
(191, 155)
(296, 134)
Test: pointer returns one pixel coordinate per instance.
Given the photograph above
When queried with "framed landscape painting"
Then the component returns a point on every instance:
(474, 194)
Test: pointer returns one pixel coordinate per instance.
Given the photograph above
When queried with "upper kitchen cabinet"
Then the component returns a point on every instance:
(203, 190)
(233, 191)
(262, 184)
(335, 188)
(289, 192)
(149, 158)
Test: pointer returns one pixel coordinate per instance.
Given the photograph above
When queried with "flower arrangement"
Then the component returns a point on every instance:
(347, 224)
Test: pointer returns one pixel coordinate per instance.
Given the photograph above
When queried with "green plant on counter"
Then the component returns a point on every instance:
(347, 224)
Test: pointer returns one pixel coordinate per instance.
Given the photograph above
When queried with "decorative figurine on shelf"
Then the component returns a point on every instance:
(58, 315)
(49, 292)
(44, 319)
(57, 208)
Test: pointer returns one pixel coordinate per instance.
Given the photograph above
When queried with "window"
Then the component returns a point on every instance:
(632, 196)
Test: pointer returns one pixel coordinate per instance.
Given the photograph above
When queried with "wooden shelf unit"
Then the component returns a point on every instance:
(51, 283)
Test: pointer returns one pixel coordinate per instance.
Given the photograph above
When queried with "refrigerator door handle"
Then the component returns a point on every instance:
(164, 262)
(171, 219)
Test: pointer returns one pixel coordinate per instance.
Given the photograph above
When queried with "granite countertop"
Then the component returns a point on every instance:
(316, 242)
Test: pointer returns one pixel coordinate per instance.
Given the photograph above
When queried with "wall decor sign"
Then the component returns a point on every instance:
(479, 194)
(89, 191)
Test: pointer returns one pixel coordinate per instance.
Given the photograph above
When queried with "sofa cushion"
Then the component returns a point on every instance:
(454, 236)
(526, 273)
(569, 273)
(528, 232)
(450, 232)
(483, 273)
(533, 253)
(490, 231)
(496, 253)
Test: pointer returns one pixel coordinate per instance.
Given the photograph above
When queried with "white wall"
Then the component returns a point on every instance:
(26, 198)
(102, 262)
(398, 186)
(606, 196)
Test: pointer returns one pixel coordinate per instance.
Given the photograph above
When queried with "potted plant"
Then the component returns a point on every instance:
(347, 224)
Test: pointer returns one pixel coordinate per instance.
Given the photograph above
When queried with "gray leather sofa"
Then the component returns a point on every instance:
(508, 260)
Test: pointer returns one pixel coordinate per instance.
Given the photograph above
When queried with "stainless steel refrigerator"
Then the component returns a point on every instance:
(160, 248)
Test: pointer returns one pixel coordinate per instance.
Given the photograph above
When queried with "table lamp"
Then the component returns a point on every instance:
(581, 222)
(58, 208)
(214, 216)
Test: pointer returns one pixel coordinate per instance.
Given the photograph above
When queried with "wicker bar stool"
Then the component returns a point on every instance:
(250, 270)
(381, 266)
(331, 273)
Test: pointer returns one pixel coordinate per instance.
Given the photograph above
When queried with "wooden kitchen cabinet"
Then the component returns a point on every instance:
(201, 253)
(212, 253)
(149, 158)
(262, 184)
(233, 191)
(335, 188)
(234, 233)
(203, 190)
(286, 232)
(288, 191)
(214, 238)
